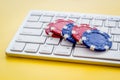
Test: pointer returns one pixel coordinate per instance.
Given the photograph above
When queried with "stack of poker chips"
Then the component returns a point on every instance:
(82, 34)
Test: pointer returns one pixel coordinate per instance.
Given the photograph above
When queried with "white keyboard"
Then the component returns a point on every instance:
(31, 41)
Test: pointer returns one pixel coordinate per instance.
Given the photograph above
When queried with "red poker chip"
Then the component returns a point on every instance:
(48, 31)
(78, 31)
(62, 20)
(58, 26)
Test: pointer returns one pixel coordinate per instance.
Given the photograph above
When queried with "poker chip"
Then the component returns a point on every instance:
(92, 38)
(62, 20)
(58, 26)
(48, 31)
(96, 40)
(78, 31)
(67, 33)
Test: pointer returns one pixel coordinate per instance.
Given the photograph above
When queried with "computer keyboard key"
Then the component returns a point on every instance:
(36, 13)
(54, 41)
(113, 18)
(104, 29)
(18, 47)
(45, 19)
(83, 52)
(66, 43)
(117, 38)
(86, 17)
(44, 26)
(31, 39)
(62, 50)
(84, 21)
(100, 18)
(114, 46)
(36, 25)
(61, 15)
(31, 48)
(97, 23)
(115, 31)
(77, 16)
(46, 49)
(33, 18)
(44, 34)
(110, 23)
(26, 31)
(119, 24)
(49, 14)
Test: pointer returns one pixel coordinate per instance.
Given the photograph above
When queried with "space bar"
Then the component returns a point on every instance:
(83, 52)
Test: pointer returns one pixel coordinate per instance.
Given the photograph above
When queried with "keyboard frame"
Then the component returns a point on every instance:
(57, 58)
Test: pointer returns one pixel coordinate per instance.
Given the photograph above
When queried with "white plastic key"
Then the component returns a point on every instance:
(36, 13)
(45, 25)
(31, 39)
(84, 52)
(104, 29)
(100, 17)
(115, 31)
(87, 17)
(114, 46)
(74, 16)
(50, 14)
(119, 24)
(27, 31)
(18, 47)
(113, 18)
(62, 50)
(46, 49)
(61, 15)
(85, 21)
(110, 23)
(31, 48)
(66, 43)
(45, 19)
(117, 38)
(33, 18)
(54, 41)
(44, 33)
(97, 23)
(36, 25)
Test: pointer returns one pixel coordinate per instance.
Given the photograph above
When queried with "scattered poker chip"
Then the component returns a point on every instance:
(67, 33)
(96, 40)
(78, 31)
(48, 31)
(58, 25)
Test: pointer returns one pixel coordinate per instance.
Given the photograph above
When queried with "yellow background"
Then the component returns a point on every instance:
(12, 13)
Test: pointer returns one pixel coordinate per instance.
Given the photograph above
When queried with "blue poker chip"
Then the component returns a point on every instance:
(67, 33)
(96, 40)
